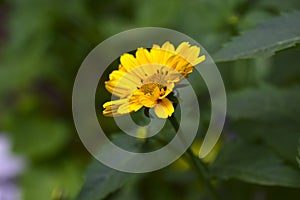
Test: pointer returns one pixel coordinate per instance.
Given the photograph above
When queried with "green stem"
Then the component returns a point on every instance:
(202, 173)
(198, 165)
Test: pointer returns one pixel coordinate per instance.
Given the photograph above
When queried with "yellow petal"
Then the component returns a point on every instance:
(199, 60)
(156, 55)
(111, 107)
(121, 107)
(118, 89)
(183, 49)
(129, 107)
(193, 53)
(164, 108)
(122, 83)
(168, 46)
(147, 101)
(124, 79)
(115, 102)
(128, 61)
(143, 56)
(120, 75)
(155, 46)
(164, 53)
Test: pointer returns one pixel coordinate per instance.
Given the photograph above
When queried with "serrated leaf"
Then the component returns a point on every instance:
(254, 164)
(271, 36)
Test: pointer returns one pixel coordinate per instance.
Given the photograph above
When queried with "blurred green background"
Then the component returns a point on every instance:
(42, 45)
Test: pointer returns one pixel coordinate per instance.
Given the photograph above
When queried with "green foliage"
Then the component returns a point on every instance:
(270, 115)
(298, 157)
(101, 181)
(276, 34)
(264, 103)
(255, 164)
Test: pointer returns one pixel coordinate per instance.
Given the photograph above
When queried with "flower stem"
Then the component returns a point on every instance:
(198, 165)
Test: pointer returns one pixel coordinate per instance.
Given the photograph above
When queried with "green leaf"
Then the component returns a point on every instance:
(269, 115)
(281, 136)
(254, 164)
(283, 143)
(298, 157)
(264, 103)
(279, 74)
(280, 6)
(276, 34)
(102, 181)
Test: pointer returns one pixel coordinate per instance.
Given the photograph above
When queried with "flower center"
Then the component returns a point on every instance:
(158, 78)
(154, 82)
(149, 88)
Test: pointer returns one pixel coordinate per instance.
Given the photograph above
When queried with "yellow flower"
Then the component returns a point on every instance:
(148, 78)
